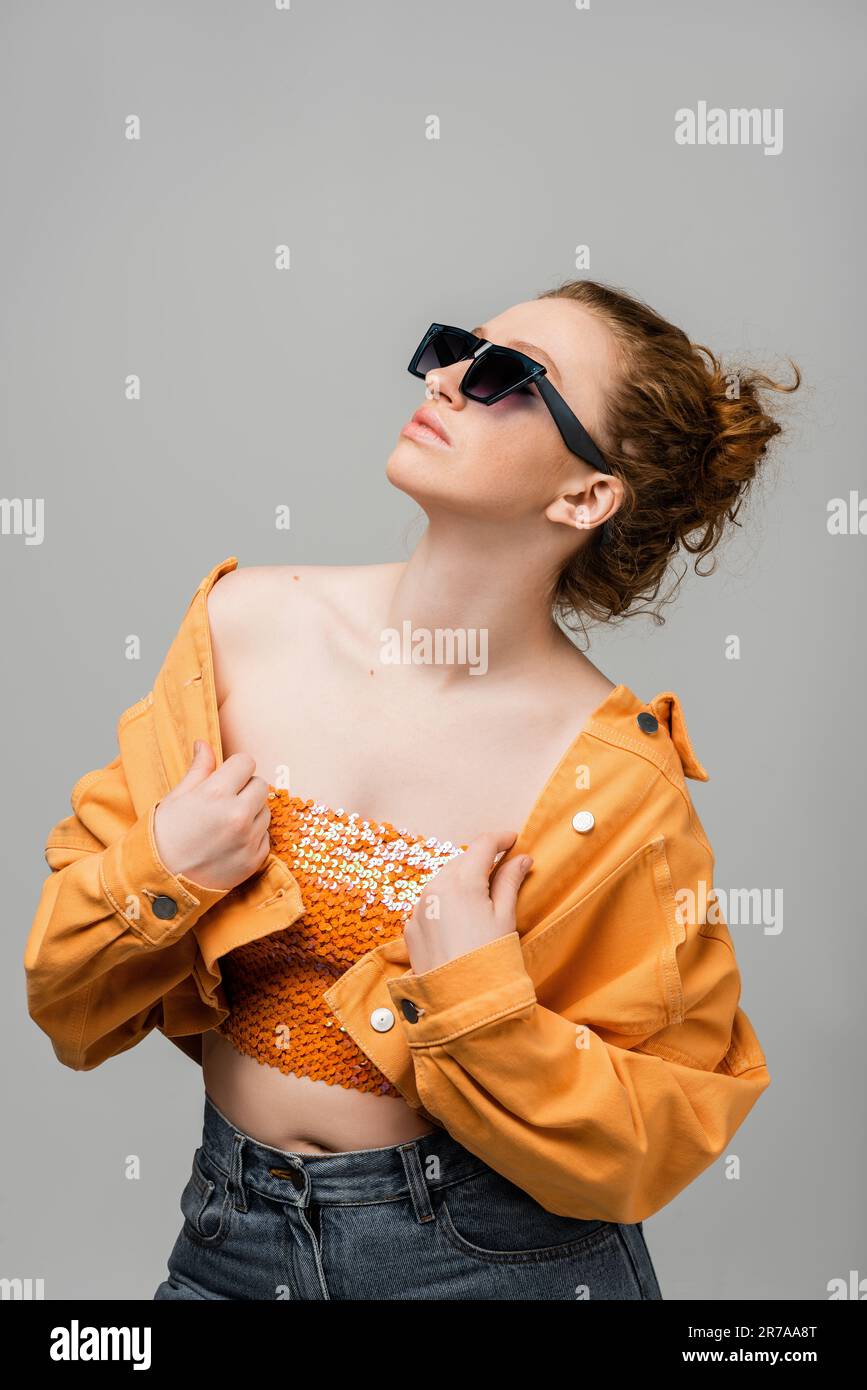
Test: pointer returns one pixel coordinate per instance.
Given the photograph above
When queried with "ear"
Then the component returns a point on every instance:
(589, 505)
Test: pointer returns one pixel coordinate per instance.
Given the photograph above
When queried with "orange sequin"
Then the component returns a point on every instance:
(359, 881)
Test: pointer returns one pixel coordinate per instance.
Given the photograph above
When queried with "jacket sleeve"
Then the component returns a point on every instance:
(104, 946)
(590, 1122)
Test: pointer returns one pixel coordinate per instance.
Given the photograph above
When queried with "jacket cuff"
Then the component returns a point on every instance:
(464, 994)
(158, 906)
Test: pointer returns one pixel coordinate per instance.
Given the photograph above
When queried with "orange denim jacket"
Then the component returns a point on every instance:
(596, 1056)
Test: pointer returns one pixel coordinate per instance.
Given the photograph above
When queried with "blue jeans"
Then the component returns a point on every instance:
(424, 1219)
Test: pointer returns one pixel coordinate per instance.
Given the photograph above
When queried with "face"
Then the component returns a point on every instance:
(507, 461)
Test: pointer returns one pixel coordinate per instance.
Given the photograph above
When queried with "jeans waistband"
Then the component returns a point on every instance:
(352, 1176)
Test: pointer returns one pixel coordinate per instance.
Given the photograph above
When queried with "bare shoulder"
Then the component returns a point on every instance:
(246, 596)
(243, 598)
(251, 609)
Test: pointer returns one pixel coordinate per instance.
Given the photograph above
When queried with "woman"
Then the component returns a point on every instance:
(356, 747)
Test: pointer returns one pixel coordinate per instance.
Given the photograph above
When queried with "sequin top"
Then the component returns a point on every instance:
(359, 882)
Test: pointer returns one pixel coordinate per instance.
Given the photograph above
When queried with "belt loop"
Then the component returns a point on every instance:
(418, 1189)
(236, 1172)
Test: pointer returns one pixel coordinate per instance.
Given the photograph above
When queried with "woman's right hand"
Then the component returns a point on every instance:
(213, 826)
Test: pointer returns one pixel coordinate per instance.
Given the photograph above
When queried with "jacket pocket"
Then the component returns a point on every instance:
(610, 960)
(206, 1203)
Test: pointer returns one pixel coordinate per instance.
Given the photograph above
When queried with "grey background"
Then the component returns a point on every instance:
(157, 257)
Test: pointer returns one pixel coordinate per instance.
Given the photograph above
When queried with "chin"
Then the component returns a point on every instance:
(433, 487)
(412, 469)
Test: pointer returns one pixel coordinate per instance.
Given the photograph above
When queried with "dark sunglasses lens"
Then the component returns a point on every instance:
(491, 374)
(442, 350)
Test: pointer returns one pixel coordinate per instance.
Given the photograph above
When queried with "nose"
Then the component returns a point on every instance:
(443, 383)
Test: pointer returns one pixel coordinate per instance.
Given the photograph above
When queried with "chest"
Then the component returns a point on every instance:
(450, 765)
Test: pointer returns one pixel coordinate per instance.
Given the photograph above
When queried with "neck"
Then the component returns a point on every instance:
(471, 576)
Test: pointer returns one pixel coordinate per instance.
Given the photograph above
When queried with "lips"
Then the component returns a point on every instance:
(430, 420)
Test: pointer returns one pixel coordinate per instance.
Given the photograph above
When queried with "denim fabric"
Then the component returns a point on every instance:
(424, 1219)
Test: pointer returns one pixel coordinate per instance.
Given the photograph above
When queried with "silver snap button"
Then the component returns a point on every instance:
(382, 1020)
(583, 821)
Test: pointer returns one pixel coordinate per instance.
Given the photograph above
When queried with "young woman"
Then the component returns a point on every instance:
(386, 732)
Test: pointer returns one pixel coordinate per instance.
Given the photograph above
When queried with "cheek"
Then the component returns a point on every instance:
(510, 410)
(516, 423)
(514, 439)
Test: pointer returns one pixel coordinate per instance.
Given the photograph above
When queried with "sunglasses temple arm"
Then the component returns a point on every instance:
(573, 433)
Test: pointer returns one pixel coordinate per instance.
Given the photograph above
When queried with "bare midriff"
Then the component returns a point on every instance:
(297, 1115)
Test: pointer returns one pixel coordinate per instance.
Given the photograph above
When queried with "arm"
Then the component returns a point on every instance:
(591, 1123)
(99, 956)
(111, 935)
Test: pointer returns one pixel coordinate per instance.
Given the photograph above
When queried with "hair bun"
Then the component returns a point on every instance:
(738, 437)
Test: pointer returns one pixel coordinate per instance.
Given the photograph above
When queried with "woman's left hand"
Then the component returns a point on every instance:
(460, 908)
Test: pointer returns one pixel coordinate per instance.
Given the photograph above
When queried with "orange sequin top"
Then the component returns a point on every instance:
(359, 881)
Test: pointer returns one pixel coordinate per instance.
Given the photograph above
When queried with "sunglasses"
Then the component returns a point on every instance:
(496, 372)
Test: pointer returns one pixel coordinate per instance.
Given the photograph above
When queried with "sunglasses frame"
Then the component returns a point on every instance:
(572, 432)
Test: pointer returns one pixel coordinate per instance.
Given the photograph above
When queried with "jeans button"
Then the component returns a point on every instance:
(292, 1174)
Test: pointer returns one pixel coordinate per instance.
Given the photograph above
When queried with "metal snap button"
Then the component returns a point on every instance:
(648, 723)
(382, 1020)
(164, 907)
(583, 821)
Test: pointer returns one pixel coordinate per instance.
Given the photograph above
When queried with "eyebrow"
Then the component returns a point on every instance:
(532, 348)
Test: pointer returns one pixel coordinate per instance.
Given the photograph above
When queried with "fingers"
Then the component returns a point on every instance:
(234, 773)
(507, 881)
(254, 797)
(478, 857)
